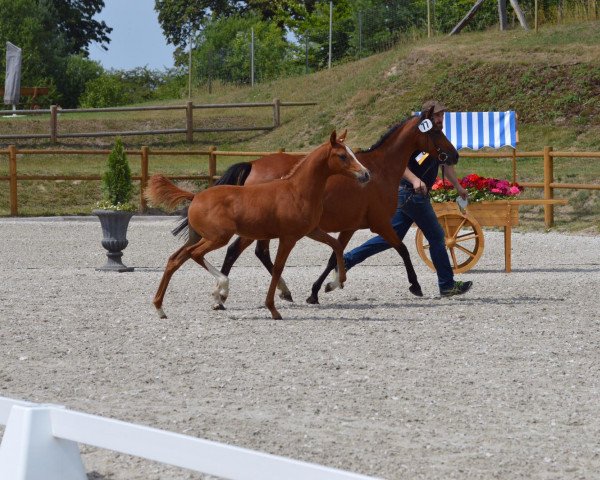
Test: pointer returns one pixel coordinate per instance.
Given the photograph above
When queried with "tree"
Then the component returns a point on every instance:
(179, 18)
(75, 21)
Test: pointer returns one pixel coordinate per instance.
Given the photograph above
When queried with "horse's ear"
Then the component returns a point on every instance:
(332, 139)
(342, 137)
(430, 112)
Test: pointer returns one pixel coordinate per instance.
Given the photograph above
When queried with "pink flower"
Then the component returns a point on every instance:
(496, 190)
(514, 190)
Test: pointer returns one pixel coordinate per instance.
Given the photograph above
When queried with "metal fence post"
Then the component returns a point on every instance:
(276, 113)
(144, 179)
(53, 123)
(189, 122)
(212, 165)
(548, 190)
(12, 169)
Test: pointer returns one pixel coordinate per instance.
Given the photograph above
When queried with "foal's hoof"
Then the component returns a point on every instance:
(161, 313)
(313, 299)
(218, 306)
(416, 290)
(287, 296)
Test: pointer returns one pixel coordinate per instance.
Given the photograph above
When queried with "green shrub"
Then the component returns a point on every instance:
(117, 187)
(105, 91)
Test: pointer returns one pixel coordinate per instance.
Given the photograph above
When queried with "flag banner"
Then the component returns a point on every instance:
(12, 83)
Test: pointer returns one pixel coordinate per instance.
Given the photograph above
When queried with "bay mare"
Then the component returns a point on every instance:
(347, 206)
(287, 209)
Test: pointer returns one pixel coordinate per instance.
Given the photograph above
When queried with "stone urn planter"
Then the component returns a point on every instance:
(114, 231)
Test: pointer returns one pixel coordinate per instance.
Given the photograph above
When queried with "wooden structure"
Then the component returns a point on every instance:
(54, 133)
(32, 93)
(501, 14)
(464, 235)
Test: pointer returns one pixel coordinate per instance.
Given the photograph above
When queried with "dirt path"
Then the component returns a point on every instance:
(501, 383)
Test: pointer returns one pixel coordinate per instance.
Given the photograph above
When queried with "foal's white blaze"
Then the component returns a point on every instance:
(351, 153)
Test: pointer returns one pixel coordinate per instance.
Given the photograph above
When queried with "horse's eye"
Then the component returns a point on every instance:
(343, 157)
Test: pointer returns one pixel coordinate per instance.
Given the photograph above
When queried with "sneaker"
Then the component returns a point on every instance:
(457, 289)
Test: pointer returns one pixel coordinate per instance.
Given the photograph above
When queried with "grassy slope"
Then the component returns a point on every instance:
(551, 79)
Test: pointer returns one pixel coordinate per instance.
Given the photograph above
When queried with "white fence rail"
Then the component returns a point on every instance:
(40, 443)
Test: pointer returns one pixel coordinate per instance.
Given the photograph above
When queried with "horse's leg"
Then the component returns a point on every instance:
(283, 251)
(264, 255)
(197, 252)
(233, 253)
(262, 252)
(175, 261)
(390, 236)
(343, 239)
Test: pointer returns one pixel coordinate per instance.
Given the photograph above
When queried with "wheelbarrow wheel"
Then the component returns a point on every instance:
(464, 241)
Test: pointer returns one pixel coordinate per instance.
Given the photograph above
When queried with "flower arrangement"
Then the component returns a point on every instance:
(479, 188)
(117, 187)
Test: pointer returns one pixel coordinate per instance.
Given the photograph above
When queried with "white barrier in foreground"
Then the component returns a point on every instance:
(40, 443)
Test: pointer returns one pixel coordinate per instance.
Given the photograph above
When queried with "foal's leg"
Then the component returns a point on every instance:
(390, 236)
(175, 261)
(197, 252)
(264, 255)
(233, 253)
(343, 239)
(283, 251)
(262, 252)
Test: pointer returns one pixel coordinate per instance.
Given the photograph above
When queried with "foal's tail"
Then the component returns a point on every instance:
(161, 191)
(234, 175)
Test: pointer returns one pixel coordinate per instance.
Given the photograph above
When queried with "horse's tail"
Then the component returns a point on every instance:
(161, 191)
(234, 175)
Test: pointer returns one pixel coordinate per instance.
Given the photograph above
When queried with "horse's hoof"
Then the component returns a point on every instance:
(223, 298)
(276, 315)
(313, 299)
(416, 290)
(218, 306)
(161, 313)
(287, 296)
(329, 288)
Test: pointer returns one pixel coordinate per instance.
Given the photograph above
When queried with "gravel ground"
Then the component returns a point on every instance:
(503, 382)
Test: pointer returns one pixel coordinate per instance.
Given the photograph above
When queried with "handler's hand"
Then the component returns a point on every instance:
(420, 187)
(462, 192)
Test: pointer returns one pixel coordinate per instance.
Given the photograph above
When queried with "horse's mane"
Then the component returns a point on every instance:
(386, 135)
(296, 166)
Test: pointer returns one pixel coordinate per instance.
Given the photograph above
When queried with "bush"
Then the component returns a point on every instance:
(104, 91)
(117, 187)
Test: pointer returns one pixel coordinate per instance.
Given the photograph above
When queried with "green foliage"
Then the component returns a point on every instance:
(224, 50)
(75, 21)
(117, 187)
(121, 87)
(79, 72)
(104, 91)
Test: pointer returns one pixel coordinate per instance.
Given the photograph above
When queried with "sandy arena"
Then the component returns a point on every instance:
(503, 382)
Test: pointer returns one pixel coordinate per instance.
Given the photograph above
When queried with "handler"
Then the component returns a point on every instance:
(414, 206)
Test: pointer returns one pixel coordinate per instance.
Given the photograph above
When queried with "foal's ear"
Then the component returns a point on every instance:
(332, 139)
(342, 137)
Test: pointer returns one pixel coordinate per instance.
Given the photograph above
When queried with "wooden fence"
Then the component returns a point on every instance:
(212, 154)
(53, 127)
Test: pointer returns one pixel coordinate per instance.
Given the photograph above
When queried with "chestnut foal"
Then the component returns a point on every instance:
(288, 209)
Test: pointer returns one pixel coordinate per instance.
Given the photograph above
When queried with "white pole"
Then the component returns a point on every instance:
(252, 57)
(330, 29)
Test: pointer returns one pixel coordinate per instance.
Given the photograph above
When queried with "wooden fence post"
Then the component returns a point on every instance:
(212, 165)
(12, 169)
(189, 122)
(144, 179)
(548, 190)
(514, 165)
(53, 123)
(276, 113)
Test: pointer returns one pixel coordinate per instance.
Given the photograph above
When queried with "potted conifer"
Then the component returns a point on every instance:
(116, 209)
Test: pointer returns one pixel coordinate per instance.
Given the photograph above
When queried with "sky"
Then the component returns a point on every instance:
(136, 40)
